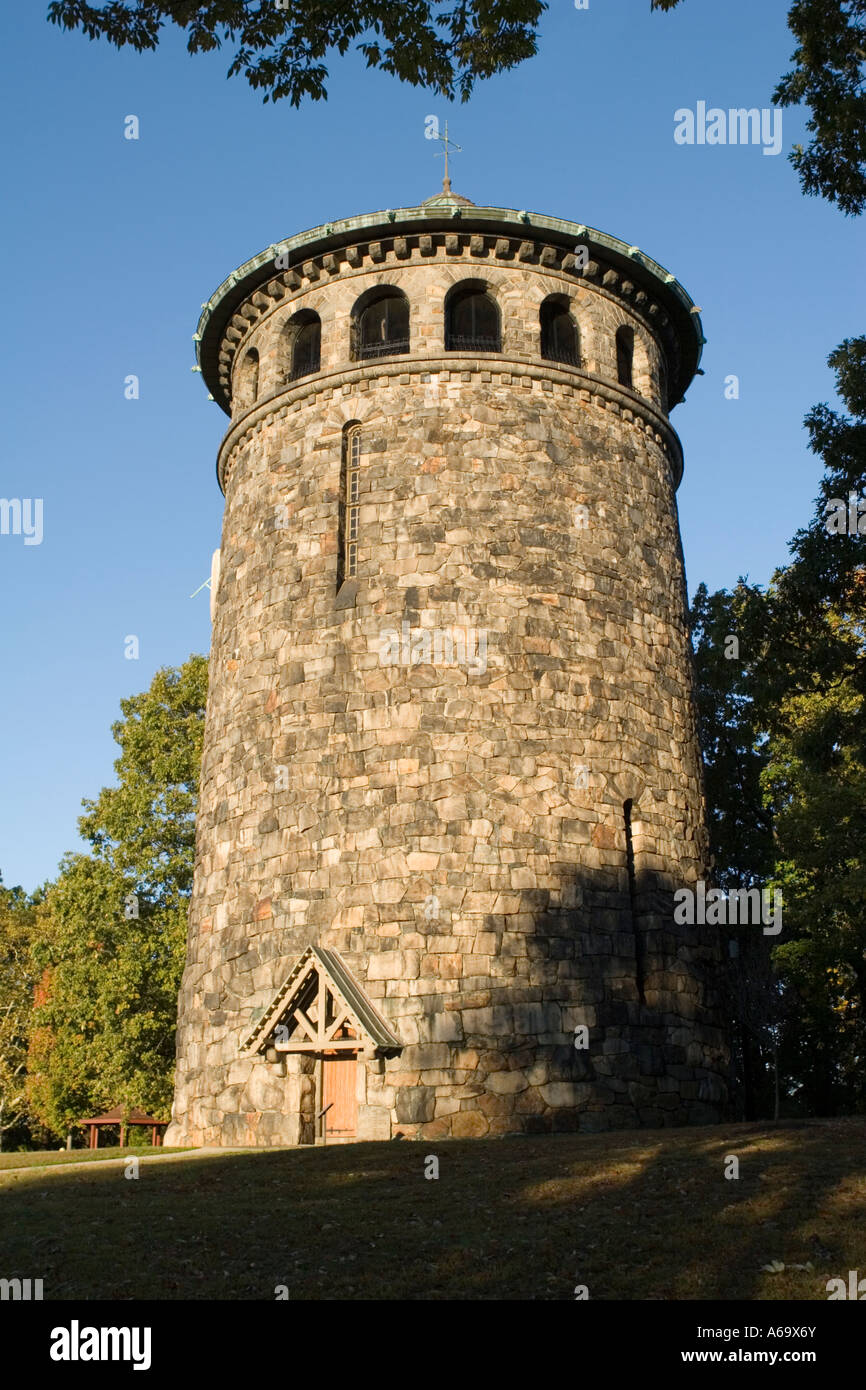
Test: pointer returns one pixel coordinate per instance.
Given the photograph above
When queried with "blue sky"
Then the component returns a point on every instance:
(110, 247)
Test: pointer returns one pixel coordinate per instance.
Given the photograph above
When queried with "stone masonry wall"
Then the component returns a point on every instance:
(457, 834)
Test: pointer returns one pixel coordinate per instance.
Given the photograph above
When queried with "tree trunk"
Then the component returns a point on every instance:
(750, 1110)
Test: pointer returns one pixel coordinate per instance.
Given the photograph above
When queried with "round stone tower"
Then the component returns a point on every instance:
(451, 777)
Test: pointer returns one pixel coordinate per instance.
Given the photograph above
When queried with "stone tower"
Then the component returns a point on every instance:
(451, 776)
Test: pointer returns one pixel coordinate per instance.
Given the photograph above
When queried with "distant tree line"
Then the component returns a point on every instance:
(90, 966)
(782, 712)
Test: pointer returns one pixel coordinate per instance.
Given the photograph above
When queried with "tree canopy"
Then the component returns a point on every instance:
(110, 937)
(280, 47)
(783, 727)
(828, 78)
(17, 982)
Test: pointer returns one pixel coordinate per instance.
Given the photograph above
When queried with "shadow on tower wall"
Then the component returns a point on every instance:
(618, 1023)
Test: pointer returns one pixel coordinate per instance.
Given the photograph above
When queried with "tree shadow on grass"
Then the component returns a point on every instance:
(642, 1214)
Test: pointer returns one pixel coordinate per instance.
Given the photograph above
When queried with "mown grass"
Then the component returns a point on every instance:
(47, 1158)
(640, 1215)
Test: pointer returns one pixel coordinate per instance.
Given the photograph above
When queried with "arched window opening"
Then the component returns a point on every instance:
(472, 320)
(380, 323)
(559, 337)
(248, 379)
(350, 479)
(639, 962)
(306, 330)
(625, 356)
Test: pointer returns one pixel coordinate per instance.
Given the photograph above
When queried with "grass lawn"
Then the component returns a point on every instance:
(646, 1214)
(43, 1158)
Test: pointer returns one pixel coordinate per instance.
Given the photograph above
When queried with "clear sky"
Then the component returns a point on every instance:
(111, 245)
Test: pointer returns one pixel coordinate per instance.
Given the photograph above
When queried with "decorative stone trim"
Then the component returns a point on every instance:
(445, 243)
(598, 391)
(439, 246)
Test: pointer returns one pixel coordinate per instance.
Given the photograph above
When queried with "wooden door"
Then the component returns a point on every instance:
(339, 1090)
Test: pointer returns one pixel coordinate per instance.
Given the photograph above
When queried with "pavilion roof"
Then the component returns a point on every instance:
(120, 1116)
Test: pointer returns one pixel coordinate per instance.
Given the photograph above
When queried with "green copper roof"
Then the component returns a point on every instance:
(443, 211)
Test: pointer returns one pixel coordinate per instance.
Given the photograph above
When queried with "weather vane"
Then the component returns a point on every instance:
(449, 144)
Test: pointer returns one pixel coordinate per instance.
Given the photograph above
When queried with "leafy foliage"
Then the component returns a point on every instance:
(17, 981)
(816, 774)
(145, 826)
(828, 78)
(785, 737)
(831, 568)
(816, 777)
(729, 635)
(111, 934)
(281, 47)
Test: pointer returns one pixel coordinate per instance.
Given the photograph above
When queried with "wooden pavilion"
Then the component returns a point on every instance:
(125, 1119)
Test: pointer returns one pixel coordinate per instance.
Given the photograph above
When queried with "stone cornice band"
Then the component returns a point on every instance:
(416, 234)
(363, 375)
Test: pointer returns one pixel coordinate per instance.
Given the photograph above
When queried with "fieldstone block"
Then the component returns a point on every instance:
(374, 1122)
(440, 1027)
(415, 1104)
(427, 1055)
(562, 1093)
(469, 1124)
(506, 1083)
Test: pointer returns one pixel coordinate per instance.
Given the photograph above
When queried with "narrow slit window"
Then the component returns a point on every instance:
(248, 379)
(639, 961)
(350, 480)
(663, 383)
(625, 356)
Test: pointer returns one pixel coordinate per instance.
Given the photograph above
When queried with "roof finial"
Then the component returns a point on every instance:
(446, 182)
